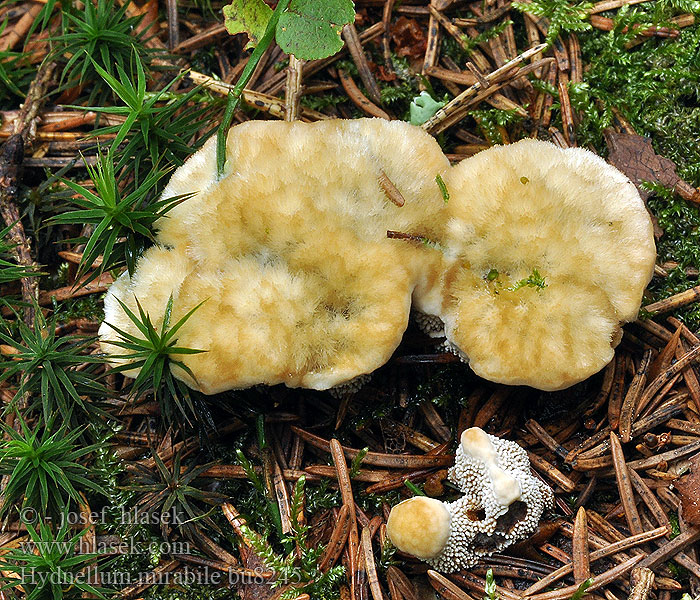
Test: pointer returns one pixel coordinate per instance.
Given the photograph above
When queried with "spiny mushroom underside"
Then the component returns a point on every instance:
(489, 517)
(531, 267)
(502, 503)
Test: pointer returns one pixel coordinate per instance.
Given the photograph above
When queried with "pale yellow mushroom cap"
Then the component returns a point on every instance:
(290, 253)
(551, 251)
(419, 526)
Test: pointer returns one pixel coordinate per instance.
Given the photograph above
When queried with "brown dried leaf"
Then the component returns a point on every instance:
(409, 38)
(688, 488)
(635, 156)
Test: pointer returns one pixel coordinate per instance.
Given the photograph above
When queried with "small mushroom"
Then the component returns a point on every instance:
(419, 526)
(551, 250)
(502, 503)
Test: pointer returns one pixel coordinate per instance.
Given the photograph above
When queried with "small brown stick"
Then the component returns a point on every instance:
(492, 406)
(689, 375)
(575, 59)
(590, 443)
(433, 44)
(397, 481)
(567, 113)
(665, 357)
(21, 27)
(460, 77)
(579, 552)
(674, 302)
(378, 459)
(402, 583)
(624, 485)
(649, 499)
(151, 578)
(678, 544)
(667, 375)
(293, 88)
(358, 98)
(390, 190)
(671, 455)
(411, 237)
(173, 24)
(551, 472)
(615, 402)
(436, 123)
(352, 39)
(642, 581)
(445, 588)
(282, 496)
(599, 581)
(435, 422)
(478, 75)
(265, 102)
(634, 391)
(370, 567)
(603, 552)
(339, 537)
(601, 398)
(204, 38)
(345, 486)
(362, 475)
(545, 439)
(386, 21)
(606, 5)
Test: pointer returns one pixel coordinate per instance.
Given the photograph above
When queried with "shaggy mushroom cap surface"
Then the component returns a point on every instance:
(289, 251)
(419, 526)
(550, 252)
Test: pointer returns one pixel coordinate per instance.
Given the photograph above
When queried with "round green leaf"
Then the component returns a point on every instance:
(310, 29)
(249, 16)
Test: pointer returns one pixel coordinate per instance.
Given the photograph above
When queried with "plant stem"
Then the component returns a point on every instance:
(235, 96)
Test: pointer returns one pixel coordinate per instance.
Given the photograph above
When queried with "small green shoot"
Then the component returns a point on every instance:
(10, 270)
(172, 491)
(581, 591)
(563, 16)
(357, 462)
(154, 355)
(100, 34)
(46, 365)
(54, 562)
(157, 125)
(490, 592)
(43, 468)
(301, 566)
(534, 280)
(492, 275)
(123, 223)
(424, 107)
(443, 188)
(413, 487)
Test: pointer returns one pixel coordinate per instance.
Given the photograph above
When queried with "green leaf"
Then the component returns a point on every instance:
(423, 108)
(249, 16)
(310, 29)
